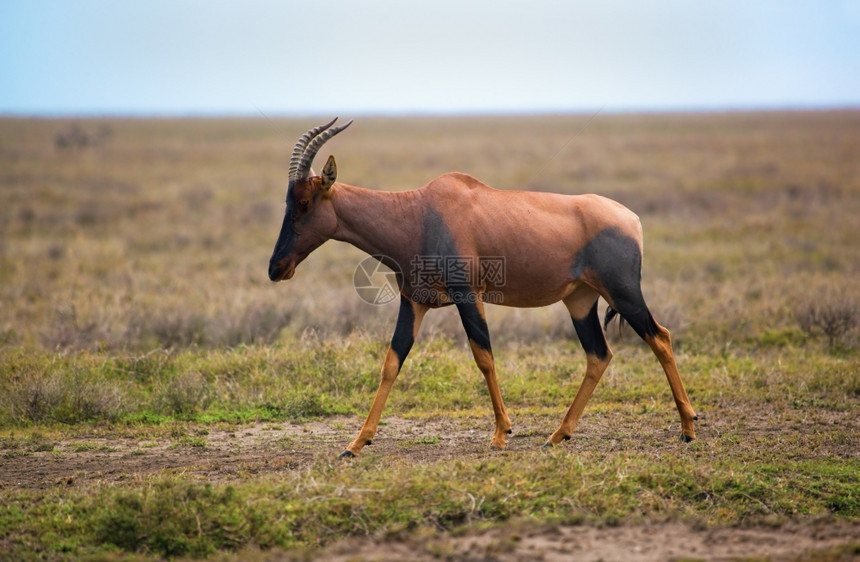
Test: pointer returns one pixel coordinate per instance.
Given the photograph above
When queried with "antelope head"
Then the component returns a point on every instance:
(309, 219)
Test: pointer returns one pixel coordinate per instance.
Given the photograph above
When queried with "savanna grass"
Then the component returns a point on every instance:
(135, 302)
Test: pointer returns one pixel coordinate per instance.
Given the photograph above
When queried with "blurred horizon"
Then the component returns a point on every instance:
(428, 114)
(94, 58)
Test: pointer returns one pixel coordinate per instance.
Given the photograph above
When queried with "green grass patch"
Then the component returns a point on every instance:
(189, 441)
(184, 517)
(241, 388)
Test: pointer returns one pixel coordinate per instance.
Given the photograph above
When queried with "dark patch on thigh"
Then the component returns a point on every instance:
(613, 262)
(610, 254)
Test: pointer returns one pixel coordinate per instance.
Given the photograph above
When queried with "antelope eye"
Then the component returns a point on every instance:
(303, 204)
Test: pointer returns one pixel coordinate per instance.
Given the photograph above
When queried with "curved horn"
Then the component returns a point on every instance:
(299, 149)
(311, 151)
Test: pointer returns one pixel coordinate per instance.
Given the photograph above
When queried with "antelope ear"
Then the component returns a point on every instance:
(329, 173)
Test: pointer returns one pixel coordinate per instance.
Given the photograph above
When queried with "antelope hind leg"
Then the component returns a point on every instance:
(598, 356)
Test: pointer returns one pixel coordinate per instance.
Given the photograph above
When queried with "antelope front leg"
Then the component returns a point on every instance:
(408, 322)
(475, 323)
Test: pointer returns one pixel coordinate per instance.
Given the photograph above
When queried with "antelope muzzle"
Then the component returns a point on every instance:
(282, 269)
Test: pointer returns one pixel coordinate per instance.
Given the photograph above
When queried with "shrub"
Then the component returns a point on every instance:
(67, 398)
(178, 329)
(34, 398)
(832, 315)
(254, 323)
(187, 393)
(68, 332)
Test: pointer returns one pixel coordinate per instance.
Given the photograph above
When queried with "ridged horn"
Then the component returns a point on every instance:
(311, 151)
(299, 149)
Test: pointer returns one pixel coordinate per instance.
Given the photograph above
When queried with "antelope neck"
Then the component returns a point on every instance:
(378, 222)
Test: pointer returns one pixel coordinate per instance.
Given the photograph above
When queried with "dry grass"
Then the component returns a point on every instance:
(159, 235)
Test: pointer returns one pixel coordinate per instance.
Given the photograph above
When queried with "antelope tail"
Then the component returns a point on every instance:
(611, 313)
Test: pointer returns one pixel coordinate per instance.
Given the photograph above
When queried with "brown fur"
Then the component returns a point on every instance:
(538, 233)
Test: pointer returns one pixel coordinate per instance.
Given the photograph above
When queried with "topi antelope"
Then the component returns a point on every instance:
(551, 248)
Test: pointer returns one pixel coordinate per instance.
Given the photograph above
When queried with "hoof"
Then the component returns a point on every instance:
(547, 445)
(346, 455)
(685, 438)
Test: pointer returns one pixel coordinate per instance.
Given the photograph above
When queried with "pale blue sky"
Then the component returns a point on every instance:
(324, 57)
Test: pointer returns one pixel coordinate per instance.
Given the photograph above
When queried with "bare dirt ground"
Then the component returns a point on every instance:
(232, 453)
(650, 542)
